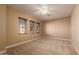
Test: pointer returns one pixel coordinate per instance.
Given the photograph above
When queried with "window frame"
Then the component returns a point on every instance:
(25, 25)
(37, 27)
(33, 22)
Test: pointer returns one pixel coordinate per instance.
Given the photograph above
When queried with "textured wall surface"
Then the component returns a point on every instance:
(57, 28)
(75, 27)
(2, 27)
(13, 35)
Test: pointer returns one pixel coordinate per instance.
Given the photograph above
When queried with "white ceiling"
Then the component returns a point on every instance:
(56, 10)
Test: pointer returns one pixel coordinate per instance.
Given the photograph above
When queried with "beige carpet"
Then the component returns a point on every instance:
(44, 47)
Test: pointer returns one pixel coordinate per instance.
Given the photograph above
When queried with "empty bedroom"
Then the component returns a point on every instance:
(39, 29)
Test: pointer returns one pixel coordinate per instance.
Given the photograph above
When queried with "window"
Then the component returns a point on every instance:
(32, 26)
(37, 27)
(22, 25)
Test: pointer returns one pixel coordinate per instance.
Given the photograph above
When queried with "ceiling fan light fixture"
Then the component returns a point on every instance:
(44, 11)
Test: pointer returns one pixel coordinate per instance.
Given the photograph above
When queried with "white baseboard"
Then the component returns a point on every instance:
(17, 44)
(63, 39)
(58, 38)
(3, 52)
(75, 47)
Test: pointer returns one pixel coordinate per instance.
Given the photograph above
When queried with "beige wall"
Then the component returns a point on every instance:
(57, 28)
(75, 27)
(13, 35)
(2, 27)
